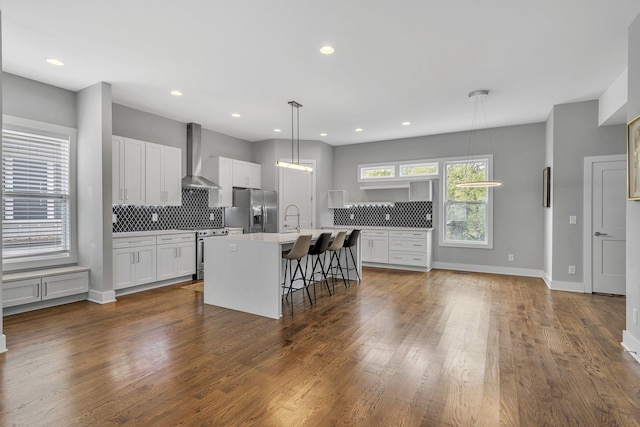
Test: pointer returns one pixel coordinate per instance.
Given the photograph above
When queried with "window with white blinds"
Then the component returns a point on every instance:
(36, 218)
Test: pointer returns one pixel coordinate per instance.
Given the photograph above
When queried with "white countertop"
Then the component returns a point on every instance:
(150, 233)
(281, 238)
(364, 227)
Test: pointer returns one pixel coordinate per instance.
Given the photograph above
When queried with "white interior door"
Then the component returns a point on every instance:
(297, 188)
(608, 227)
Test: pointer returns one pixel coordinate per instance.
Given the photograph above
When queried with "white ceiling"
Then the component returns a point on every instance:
(406, 60)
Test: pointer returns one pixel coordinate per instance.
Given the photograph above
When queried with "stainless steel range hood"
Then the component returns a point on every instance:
(194, 178)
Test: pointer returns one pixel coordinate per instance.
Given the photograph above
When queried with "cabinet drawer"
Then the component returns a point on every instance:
(417, 245)
(409, 234)
(375, 233)
(176, 238)
(131, 242)
(21, 292)
(408, 258)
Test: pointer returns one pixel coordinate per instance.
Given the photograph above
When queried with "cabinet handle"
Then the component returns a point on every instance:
(44, 292)
(37, 290)
(138, 258)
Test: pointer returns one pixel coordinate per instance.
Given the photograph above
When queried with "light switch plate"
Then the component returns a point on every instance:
(387, 217)
(510, 257)
(572, 219)
(572, 269)
(114, 218)
(154, 217)
(233, 247)
(211, 217)
(351, 216)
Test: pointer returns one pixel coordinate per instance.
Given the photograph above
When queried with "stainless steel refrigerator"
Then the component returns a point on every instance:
(256, 211)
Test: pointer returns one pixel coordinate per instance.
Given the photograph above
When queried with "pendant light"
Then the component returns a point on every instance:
(478, 97)
(295, 121)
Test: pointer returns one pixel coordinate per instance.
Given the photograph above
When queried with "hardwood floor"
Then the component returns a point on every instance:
(401, 349)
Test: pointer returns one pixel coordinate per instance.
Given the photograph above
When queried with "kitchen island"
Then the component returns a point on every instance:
(245, 272)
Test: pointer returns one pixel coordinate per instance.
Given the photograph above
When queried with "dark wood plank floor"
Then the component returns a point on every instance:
(402, 349)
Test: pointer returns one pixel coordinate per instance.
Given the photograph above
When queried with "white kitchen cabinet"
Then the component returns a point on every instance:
(421, 191)
(375, 246)
(336, 199)
(45, 286)
(134, 261)
(163, 175)
(235, 230)
(128, 171)
(221, 172)
(176, 255)
(410, 248)
(247, 175)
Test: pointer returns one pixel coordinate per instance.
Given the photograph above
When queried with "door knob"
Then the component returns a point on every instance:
(597, 233)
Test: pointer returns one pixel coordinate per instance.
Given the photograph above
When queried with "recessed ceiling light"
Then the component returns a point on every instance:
(323, 134)
(176, 93)
(327, 50)
(54, 61)
(406, 123)
(277, 130)
(359, 130)
(235, 115)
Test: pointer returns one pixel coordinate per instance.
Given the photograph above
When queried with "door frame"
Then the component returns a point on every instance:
(587, 241)
(313, 191)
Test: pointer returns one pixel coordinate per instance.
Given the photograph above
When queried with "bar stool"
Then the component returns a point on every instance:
(349, 243)
(334, 248)
(297, 252)
(319, 248)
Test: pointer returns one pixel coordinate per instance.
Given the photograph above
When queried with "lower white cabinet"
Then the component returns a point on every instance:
(134, 261)
(375, 246)
(410, 248)
(176, 255)
(42, 288)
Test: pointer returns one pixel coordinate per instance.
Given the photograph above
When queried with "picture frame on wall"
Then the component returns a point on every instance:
(546, 187)
(633, 159)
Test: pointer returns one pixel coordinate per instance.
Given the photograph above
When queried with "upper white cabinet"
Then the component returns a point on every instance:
(163, 175)
(128, 177)
(421, 191)
(246, 174)
(221, 172)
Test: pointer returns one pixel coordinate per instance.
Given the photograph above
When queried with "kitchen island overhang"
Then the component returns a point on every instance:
(245, 272)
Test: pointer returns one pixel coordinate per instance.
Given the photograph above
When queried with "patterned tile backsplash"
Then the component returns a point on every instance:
(402, 214)
(194, 213)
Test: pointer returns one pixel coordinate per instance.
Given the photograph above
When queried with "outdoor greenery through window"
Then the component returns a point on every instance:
(36, 218)
(377, 172)
(419, 169)
(465, 209)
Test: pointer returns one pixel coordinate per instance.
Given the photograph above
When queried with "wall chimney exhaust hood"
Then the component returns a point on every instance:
(194, 178)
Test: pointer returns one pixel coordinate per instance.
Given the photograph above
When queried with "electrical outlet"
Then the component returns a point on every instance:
(211, 216)
(510, 257)
(114, 218)
(635, 316)
(387, 217)
(351, 216)
(154, 217)
(428, 217)
(572, 219)
(572, 269)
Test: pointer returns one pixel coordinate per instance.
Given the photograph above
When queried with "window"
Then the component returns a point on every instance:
(419, 169)
(377, 172)
(467, 211)
(37, 196)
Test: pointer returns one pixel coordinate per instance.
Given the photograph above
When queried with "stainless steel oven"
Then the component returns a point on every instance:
(202, 234)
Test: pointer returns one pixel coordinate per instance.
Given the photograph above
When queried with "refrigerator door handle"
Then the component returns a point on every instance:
(265, 218)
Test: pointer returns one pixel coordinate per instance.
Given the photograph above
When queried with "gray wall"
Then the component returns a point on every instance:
(632, 333)
(575, 135)
(518, 157)
(138, 124)
(33, 100)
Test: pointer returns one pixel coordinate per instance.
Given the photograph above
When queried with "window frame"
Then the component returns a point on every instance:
(49, 260)
(397, 168)
(443, 241)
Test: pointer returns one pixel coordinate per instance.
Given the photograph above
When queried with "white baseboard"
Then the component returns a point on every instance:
(102, 297)
(631, 344)
(547, 279)
(395, 266)
(3, 343)
(153, 285)
(511, 271)
(566, 286)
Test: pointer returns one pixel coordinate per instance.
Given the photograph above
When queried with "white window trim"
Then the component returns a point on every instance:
(396, 166)
(17, 123)
(441, 235)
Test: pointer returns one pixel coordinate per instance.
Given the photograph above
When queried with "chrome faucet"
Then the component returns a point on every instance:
(297, 215)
